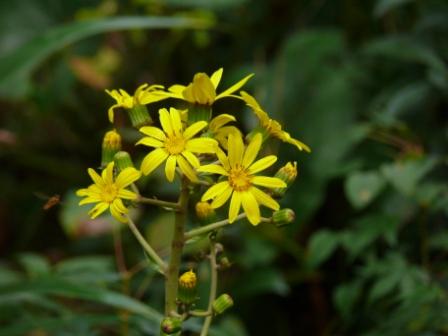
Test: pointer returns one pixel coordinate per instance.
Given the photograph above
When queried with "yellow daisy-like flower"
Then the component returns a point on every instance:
(202, 90)
(218, 129)
(142, 96)
(241, 185)
(175, 145)
(273, 127)
(109, 193)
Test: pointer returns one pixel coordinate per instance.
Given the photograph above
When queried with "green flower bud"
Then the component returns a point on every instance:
(187, 287)
(123, 160)
(205, 212)
(139, 116)
(171, 325)
(198, 113)
(288, 174)
(222, 303)
(223, 261)
(111, 145)
(283, 217)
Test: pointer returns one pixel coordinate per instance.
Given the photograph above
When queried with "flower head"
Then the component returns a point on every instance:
(240, 167)
(273, 127)
(142, 96)
(202, 90)
(175, 145)
(219, 131)
(109, 192)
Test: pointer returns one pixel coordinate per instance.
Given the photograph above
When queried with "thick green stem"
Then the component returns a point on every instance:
(172, 273)
(152, 254)
(213, 288)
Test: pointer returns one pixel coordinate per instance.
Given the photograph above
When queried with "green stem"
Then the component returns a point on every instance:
(153, 255)
(157, 202)
(177, 244)
(213, 288)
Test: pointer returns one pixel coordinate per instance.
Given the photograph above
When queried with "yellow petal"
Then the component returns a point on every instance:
(235, 205)
(223, 158)
(252, 150)
(127, 194)
(165, 121)
(118, 204)
(126, 177)
(216, 77)
(214, 190)
(150, 142)
(250, 207)
(234, 87)
(212, 169)
(108, 173)
(170, 168)
(262, 164)
(299, 144)
(191, 158)
(202, 145)
(117, 209)
(268, 182)
(176, 122)
(153, 160)
(220, 121)
(98, 209)
(110, 112)
(154, 132)
(250, 100)
(95, 177)
(187, 169)
(219, 200)
(192, 130)
(264, 199)
(89, 199)
(177, 89)
(236, 150)
(82, 192)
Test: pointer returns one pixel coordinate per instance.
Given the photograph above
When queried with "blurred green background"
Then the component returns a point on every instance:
(363, 83)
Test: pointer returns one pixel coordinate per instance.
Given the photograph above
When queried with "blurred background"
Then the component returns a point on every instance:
(363, 83)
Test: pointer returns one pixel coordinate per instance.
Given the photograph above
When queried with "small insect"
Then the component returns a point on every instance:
(51, 201)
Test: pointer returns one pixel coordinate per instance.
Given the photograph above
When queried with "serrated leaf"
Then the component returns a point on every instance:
(362, 187)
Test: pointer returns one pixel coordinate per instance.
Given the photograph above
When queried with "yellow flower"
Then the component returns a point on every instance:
(219, 131)
(273, 127)
(108, 193)
(240, 169)
(143, 95)
(202, 90)
(175, 145)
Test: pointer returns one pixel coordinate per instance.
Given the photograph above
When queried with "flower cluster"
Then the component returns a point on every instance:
(203, 148)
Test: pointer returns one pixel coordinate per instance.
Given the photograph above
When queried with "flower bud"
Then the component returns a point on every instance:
(199, 113)
(222, 303)
(205, 212)
(223, 261)
(139, 116)
(123, 160)
(283, 217)
(111, 145)
(187, 287)
(288, 174)
(171, 325)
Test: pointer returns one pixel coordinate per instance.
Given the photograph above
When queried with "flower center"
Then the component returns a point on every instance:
(175, 145)
(109, 193)
(239, 179)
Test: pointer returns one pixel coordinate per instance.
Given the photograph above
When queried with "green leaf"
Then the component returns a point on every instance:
(345, 297)
(362, 187)
(33, 264)
(384, 6)
(16, 66)
(322, 245)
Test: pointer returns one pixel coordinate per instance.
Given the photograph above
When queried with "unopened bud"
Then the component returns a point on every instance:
(288, 174)
(171, 325)
(139, 116)
(123, 160)
(223, 261)
(222, 303)
(111, 145)
(187, 287)
(283, 217)
(205, 212)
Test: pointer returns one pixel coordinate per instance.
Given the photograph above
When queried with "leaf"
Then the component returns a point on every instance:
(215, 4)
(404, 176)
(362, 187)
(322, 245)
(34, 265)
(260, 281)
(345, 297)
(16, 66)
(384, 6)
